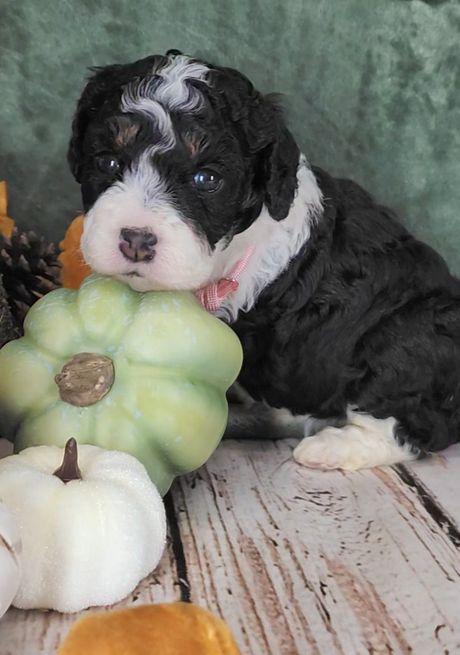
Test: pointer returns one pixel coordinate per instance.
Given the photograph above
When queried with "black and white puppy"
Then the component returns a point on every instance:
(350, 326)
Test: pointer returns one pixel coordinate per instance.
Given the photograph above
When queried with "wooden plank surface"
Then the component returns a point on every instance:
(302, 562)
(439, 477)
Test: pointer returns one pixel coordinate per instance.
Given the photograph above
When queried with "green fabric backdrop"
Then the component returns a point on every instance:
(372, 89)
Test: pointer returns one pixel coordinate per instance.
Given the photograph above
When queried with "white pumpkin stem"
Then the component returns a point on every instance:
(69, 468)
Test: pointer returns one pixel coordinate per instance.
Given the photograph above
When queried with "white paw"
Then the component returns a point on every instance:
(363, 443)
(326, 450)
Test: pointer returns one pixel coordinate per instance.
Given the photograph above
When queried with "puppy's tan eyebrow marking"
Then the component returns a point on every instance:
(194, 141)
(124, 131)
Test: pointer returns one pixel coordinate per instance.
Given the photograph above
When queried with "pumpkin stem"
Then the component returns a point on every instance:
(69, 468)
(85, 379)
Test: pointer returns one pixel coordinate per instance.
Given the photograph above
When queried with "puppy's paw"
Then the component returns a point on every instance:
(326, 450)
(364, 442)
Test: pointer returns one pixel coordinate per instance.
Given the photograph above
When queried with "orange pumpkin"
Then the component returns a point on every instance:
(6, 223)
(166, 629)
(73, 267)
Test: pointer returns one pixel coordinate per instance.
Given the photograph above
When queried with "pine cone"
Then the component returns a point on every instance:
(8, 328)
(29, 268)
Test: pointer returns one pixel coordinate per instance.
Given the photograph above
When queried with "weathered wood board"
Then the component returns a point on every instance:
(302, 562)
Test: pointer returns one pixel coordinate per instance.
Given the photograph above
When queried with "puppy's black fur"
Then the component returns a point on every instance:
(364, 316)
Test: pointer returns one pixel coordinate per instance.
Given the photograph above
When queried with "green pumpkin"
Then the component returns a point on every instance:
(153, 380)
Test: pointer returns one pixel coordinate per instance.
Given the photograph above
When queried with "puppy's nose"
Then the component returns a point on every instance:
(138, 244)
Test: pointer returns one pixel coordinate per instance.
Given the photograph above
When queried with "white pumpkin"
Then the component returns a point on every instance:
(9, 565)
(90, 530)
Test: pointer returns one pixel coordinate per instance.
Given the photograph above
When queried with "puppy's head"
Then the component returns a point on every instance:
(175, 158)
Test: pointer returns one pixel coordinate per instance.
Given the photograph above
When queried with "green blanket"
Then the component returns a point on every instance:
(372, 90)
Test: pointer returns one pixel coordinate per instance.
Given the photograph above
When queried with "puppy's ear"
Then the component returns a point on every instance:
(91, 100)
(260, 122)
(280, 161)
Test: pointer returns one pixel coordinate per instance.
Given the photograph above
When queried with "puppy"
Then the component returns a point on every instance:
(350, 326)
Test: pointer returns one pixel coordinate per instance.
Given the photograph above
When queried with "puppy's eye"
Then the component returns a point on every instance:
(108, 164)
(207, 180)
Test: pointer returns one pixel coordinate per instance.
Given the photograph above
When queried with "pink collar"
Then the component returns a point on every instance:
(213, 295)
